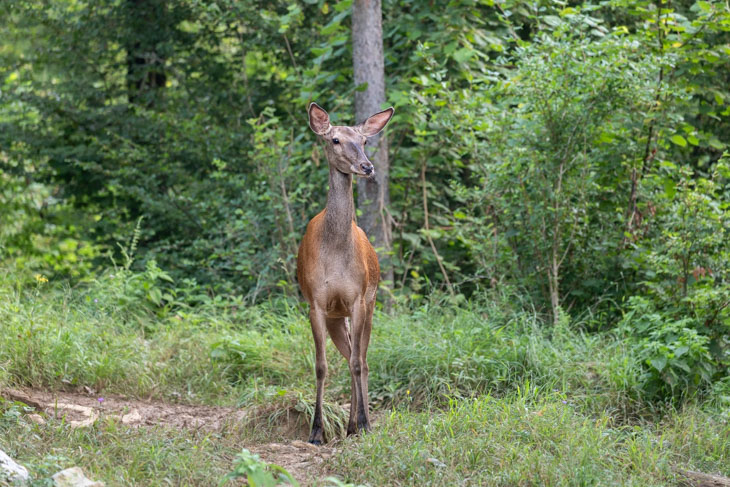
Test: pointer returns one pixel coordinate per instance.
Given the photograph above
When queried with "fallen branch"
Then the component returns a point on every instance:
(20, 396)
(699, 479)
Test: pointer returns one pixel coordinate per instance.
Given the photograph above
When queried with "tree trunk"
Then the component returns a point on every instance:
(373, 196)
(554, 286)
(145, 67)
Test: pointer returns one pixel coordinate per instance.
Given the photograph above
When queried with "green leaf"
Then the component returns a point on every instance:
(606, 137)
(330, 28)
(155, 296)
(679, 140)
(658, 363)
(678, 352)
(552, 20)
(319, 51)
(463, 54)
(715, 143)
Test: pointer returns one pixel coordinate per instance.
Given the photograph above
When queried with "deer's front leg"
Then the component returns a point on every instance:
(364, 342)
(317, 320)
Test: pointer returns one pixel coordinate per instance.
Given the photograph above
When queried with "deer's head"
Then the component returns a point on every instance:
(344, 145)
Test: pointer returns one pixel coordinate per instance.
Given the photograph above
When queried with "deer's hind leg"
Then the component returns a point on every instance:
(340, 333)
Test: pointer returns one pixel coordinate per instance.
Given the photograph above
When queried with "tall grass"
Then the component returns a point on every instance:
(532, 437)
(111, 335)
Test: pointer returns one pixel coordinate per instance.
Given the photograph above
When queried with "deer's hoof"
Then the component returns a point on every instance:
(316, 442)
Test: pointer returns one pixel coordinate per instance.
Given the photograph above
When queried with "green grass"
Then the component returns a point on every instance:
(479, 393)
(61, 338)
(64, 338)
(532, 438)
(118, 454)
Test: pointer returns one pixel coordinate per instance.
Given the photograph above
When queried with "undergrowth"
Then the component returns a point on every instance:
(474, 393)
(222, 352)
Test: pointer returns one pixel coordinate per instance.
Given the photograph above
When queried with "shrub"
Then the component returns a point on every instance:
(676, 358)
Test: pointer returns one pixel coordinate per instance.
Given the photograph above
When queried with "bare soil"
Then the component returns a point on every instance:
(303, 460)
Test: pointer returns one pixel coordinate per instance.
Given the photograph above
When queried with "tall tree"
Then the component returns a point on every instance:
(373, 196)
(148, 29)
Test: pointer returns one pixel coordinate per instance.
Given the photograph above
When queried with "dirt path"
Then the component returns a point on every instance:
(301, 459)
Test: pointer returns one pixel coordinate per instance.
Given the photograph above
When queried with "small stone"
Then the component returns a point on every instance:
(132, 418)
(37, 419)
(12, 470)
(436, 462)
(90, 415)
(74, 477)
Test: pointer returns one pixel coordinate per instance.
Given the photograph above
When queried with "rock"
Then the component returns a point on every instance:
(436, 462)
(37, 419)
(90, 416)
(11, 470)
(132, 418)
(74, 477)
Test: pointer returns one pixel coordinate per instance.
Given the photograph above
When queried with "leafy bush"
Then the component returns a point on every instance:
(682, 322)
(41, 234)
(256, 473)
(676, 359)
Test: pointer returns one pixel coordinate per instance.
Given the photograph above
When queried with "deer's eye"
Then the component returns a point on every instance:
(335, 141)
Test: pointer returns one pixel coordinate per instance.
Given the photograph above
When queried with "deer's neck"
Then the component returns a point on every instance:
(340, 210)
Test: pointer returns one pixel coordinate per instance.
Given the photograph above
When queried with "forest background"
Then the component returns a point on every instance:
(559, 174)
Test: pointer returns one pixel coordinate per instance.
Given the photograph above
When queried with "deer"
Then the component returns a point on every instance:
(337, 267)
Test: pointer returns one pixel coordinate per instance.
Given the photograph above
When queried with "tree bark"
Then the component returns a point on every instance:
(373, 196)
(145, 67)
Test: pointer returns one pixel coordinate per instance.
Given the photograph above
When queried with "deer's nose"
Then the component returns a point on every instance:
(366, 167)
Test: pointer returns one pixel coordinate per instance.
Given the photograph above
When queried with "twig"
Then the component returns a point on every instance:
(508, 23)
(291, 55)
(428, 235)
(284, 195)
(717, 312)
(245, 76)
(648, 154)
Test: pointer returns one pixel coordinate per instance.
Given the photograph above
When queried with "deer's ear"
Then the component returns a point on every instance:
(319, 120)
(376, 122)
